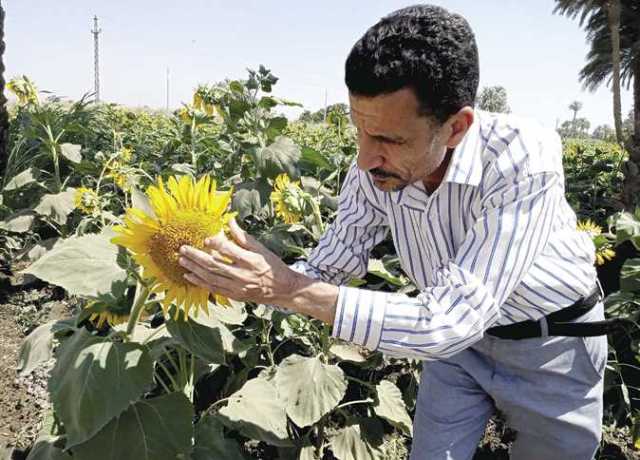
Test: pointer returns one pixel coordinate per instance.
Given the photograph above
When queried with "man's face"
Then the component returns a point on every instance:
(396, 145)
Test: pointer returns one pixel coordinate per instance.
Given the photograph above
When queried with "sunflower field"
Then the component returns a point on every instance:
(96, 200)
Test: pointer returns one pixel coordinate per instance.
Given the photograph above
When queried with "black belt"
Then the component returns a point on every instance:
(559, 323)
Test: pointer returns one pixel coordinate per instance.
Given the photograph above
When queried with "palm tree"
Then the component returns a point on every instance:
(608, 22)
(575, 107)
(4, 116)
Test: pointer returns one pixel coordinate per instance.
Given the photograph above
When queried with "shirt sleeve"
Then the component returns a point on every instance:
(516, 218)
(343, 251)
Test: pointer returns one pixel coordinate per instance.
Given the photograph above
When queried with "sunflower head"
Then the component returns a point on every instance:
(289, 200)
(86, 200)
(604, 247)
(185, 212)
(101, 312)
(589, 227)
(125, 154)
(24, 90)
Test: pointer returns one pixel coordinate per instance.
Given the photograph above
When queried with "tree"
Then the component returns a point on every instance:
(599, 18)
(493, 99)
(4, 115)
(604, 133)
(320, 115)
(575, 107)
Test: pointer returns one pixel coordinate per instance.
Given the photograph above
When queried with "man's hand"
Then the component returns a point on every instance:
(243, 269)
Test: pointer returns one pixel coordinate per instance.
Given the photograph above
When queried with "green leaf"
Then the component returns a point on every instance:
(351, 443)
(309, 388)
(205, 337)
(19, 222)
(57, 206)
(211, 444)
(95, 380)
(250, 198)
(71, 152)
(391, 407)
(47, 448)
(280, 157)
(26, 177)
(235, 314)
(377, 268)
(630, 275)
(349, 352)
(140, 200)
(275, 127)
(38, 249)
(256, 412)
(627, 228)
(37, 347)
(151, 429)
(84, 265)
(311, 159)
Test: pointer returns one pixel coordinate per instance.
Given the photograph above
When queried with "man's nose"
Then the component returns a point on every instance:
(369, 154)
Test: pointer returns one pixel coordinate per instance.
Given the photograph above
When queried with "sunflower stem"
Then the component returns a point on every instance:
(142, 292)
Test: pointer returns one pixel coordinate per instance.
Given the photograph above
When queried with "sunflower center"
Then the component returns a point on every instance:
(186, 227)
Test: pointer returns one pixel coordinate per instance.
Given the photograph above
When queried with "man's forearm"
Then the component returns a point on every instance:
(311, 297)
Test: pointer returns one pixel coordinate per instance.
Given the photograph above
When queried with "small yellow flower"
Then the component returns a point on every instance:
(125, 154)
(288, 199)
(101, 313)
(119, 173)
(86, 200)
(186, 212)
(590, 227)
(604, 254)
(24, 90)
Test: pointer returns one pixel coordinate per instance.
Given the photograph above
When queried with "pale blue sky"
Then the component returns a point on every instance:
(534, 54)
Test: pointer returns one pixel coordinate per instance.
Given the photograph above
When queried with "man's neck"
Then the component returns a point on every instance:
(433, 181)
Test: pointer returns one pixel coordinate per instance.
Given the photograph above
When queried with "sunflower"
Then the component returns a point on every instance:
(24, 90)
(86, 200)
(604, 251)
(288, 199)
(185, 213)
(101, 313)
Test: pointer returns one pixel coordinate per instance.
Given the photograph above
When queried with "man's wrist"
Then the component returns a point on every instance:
(310, 297)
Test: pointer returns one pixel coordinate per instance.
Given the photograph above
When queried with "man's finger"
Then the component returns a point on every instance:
(226, 248)
(241, 237)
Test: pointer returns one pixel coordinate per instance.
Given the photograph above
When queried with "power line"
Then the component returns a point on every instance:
(96, 58)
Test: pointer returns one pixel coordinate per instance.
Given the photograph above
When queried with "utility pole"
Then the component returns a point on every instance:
(325, 104)
(168, 93)
(96, 58)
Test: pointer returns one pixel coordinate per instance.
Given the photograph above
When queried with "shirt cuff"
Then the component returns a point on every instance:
(360, 316)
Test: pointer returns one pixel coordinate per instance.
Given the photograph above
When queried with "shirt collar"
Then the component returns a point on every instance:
(465, 167)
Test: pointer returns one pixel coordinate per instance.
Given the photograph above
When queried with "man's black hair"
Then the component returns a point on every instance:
(423, 47)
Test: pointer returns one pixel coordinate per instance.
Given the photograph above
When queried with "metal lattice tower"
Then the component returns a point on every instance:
(96, 58)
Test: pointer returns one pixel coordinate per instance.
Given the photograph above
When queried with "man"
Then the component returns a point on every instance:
(475, 205)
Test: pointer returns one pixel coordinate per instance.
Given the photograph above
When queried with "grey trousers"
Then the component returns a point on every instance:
(549, 389)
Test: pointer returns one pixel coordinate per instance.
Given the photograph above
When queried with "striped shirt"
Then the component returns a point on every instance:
(494, 244)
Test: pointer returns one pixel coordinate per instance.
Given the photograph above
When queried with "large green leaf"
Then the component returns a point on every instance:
(391, 407)
(37, 347)
(205, 337)
(151, 429)
(26, 177)
(71, 152)
(47, 448)
(84, 265)
(377, 268)
(309, 388)
(235, 314)
(95, 380)
(630, 275)
(354, 442)
(210, 443)
(250, 198)
(627, 228)
(256, 412)
(19, 222)
(349, 352)
(280, 157)
(311, 159)
(57, 207)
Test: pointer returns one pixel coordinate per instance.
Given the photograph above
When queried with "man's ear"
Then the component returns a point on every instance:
(459, 123)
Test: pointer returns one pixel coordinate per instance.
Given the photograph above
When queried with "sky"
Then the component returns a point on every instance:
(523, 46)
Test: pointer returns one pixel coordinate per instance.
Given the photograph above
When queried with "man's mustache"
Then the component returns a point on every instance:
(381, 173)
